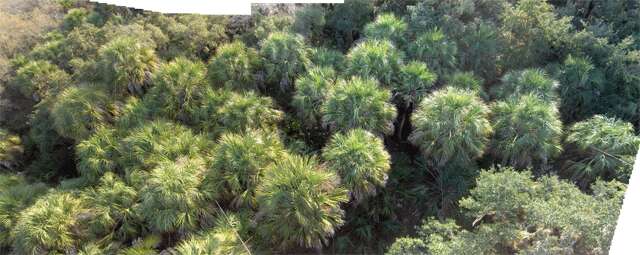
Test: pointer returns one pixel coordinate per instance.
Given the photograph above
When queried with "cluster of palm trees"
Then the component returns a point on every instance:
(276, 142)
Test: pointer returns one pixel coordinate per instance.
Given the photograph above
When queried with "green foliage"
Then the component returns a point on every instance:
(435, 49)
(415, 82)
(467, 81)
(238, 165)
(78, 112)
(170, 200)
(241, 112)
(604, 147)
(346, 20)
(323, 57)
(74, 18)
(359, 103)
(528, 81)
(49, 225)
(361, 160)
(15, 195)
(528, 131)
(309, 22)
(234, 66)
(284, 56)
(511, 213)
(268, 25)
(222, 239)
(126, 64)
(377, 59)
(387, 27)
(451, 125)
(178, 88)
(11, 149)
(531, 30)
(311, 92)
(40, 79)
(299, 203)
(114, 207)
(581, 85)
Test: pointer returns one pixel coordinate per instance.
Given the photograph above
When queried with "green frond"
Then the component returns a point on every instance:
(359, 103)
(11, 150)
(311, 92)
(387, 26)
(40, 79)
(78, 111)
(468, 81)
(528, 131)
(221, 240)
(284, 56)
(234, 66)
(361, 160)
(127, 64)
(377, 59)
(528, 81)
(15, 195)
(451, 125)
(299, 203)
(435, 49)
(415, 82)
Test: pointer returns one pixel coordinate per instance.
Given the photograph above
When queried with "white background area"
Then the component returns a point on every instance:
(627, 235)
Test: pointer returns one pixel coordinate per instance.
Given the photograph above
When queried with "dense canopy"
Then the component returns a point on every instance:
(369, 127)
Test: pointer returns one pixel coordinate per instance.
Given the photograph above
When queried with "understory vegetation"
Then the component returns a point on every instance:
(397, 127)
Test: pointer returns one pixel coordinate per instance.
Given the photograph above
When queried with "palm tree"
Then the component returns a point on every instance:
(527, 131)
(234, 66)
(377, 59)
(389, 27)
(97, 154)
(178, 88)
(323, 57)
(40, 79)
(238, 165)
(10, 150)
(468, 81)
(451, 125)
(435, 49)
(299, 203)
(580, 90)
(15, 196)
(127, 64)
(78, 111)
(359, 103)
(223, 239)
(602, 147)
(241, 112)
(154, 142)
(114, 207)
(415, 81)
(361, 160)
(527, 81)
(49, 225)
(284, 56)
(171, 201)
(311, 91)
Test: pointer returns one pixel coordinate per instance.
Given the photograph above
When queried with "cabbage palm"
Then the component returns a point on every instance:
(284, 56)
(451, 125)
(97, 154)
(49, 225)
(581, 84)
(415, 81)
(604, 147)
(435, 49)
(359, 103)
(234, 66)
(221, 240)
(377, 59)
(238, 165)
(170, 200)
(78, 111)
(113, 206)
(15, 195)
(387, 26)
(527, 131)
(178, 87)
(154, 142)
(241, 112)
(527, 81)
(361, 160)
(312, 90)
(40, 79)
(299, 203)
(127, 64)
(468, 81)
(323, 57)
